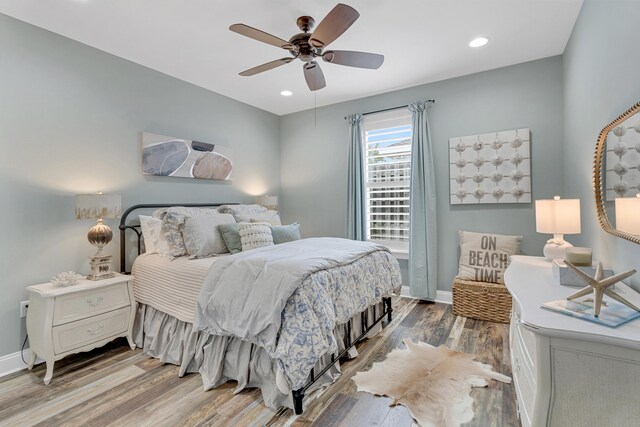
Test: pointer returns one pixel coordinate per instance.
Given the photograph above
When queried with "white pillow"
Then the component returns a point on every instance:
(241, 210)
(272, 217)
(154, 239)
(150, 232)
(255, 235)
(202, 237)
(173, 219)
(484, 257)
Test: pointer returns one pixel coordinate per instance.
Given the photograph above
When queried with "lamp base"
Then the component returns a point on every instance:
(556, 247)
(100, 267)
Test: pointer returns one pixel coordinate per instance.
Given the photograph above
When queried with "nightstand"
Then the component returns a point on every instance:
(68, 320)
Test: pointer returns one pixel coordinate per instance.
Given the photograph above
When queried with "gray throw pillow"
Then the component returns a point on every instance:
(285, 233)
(201, 235)
(231, 237)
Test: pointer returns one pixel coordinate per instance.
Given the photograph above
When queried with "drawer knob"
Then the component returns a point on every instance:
(95, 331)
(94, 302)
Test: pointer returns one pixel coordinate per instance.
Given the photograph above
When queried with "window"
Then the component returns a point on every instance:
(387, 154)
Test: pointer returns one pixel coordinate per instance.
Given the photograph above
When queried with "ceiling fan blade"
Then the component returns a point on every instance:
(353, 58)
(261, 36)
(266, 67)
(314, 76)
(333, 25)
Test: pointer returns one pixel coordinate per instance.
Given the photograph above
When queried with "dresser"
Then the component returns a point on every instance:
(567, 371)
(67, 320)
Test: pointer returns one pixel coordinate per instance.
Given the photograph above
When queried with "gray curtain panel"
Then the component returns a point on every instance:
(423, 274)
(356, 220)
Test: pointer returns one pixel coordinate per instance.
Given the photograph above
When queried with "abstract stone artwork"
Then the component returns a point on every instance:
(623, 159)
(490, 168)
(169, 156)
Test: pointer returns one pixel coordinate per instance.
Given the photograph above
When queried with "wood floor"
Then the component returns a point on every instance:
(116, 386)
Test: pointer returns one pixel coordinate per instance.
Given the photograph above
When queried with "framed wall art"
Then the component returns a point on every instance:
(177, 157)
(490, 168)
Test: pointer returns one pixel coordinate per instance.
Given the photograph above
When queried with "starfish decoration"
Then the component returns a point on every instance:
(600, 286)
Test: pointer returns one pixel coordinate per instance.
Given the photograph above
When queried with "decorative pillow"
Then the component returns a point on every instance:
(285, 233)
(201, 235)
(255, 235)
(150, 228)
(154, 239)
(188, 211)
(231, 237)
(484, 257)
(173, 219)
(272, 217)
(242, 210)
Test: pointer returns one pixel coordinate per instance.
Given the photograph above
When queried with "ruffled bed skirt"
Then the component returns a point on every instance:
(219, 359)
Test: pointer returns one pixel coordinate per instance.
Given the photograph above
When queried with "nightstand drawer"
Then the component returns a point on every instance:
(85, 332)
(79, 305)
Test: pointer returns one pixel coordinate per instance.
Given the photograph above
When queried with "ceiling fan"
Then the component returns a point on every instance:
(307, 46)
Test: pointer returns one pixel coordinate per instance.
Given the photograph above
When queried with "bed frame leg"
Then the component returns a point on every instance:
(387, 301)
(298, 395)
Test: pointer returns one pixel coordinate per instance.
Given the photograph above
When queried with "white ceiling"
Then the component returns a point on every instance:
(422, 40)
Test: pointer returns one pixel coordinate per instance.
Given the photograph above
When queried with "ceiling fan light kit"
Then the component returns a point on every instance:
(307, 46)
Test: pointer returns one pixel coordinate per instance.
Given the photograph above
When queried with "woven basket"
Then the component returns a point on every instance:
(481, 300)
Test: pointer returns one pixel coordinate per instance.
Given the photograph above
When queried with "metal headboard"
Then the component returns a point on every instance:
(136, 227)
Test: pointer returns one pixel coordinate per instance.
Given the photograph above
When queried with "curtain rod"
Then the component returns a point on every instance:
(390, 109)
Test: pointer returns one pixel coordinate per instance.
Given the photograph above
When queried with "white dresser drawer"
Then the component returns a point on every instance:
(528, 341)
(525, 386)
(79, 305)
(527, 351)
(78, 334)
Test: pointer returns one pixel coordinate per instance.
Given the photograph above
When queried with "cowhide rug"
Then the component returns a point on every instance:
(433, 383)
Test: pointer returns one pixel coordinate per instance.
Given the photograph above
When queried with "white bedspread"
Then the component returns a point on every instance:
(289, 298)
(170, 286)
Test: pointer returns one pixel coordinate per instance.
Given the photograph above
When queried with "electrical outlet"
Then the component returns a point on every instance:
(24, 306)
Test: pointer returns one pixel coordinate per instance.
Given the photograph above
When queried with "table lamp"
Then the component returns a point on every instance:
(99, 206)
(557, 217)
(628, 214)
(269, 202)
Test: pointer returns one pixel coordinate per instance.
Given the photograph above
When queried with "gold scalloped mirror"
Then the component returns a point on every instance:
(616, 176)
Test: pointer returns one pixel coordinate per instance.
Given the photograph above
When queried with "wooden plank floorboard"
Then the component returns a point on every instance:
(119, 401)
(114, 386)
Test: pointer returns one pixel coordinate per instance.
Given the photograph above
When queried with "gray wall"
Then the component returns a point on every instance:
(314, 152)
(601, 81)
(70, 118)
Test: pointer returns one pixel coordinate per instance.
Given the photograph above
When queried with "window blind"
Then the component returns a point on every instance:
(388, 168)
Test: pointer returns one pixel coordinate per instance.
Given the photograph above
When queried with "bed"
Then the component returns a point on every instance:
(181, 316)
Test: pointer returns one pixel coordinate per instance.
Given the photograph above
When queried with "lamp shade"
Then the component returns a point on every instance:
(98, 206)
(558, 216)
(270, 202)
(628, 214)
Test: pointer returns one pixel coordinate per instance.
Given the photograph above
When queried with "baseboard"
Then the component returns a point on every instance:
(13, 362)
(441, 296)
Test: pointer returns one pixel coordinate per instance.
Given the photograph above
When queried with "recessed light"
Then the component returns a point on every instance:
(286, 93)
(478, 42)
